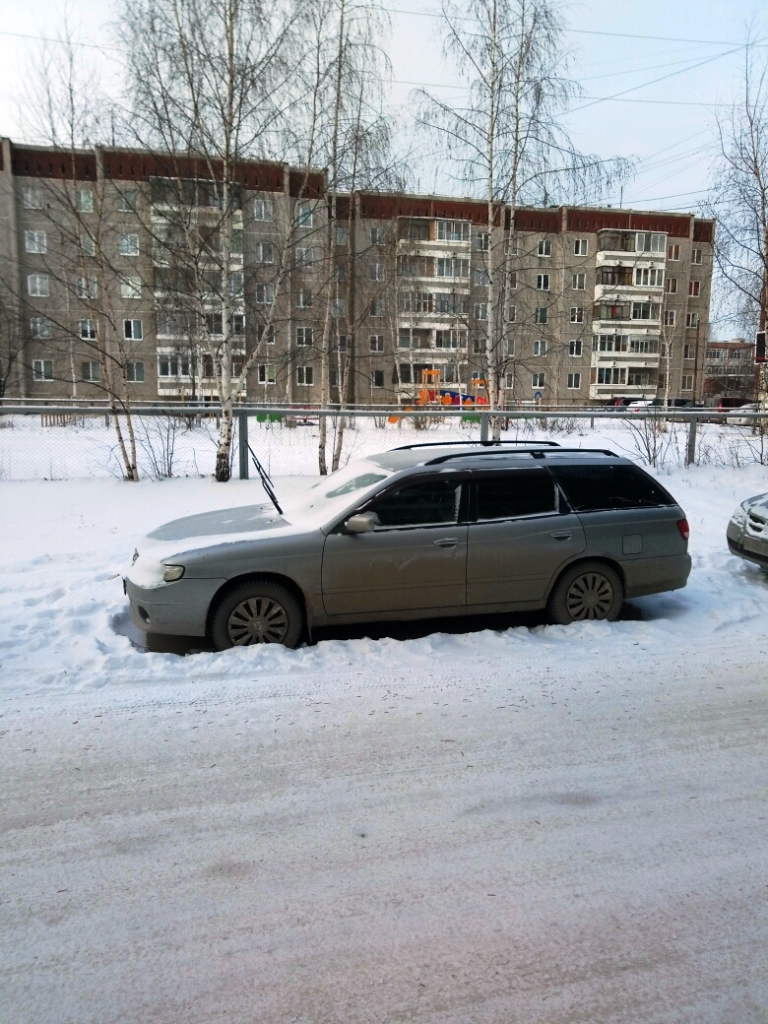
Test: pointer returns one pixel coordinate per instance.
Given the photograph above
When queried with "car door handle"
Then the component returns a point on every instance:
(562, 534)
(445, 542)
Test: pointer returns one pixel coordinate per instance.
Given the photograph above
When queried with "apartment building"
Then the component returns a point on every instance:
(403, 299)
(729, 371)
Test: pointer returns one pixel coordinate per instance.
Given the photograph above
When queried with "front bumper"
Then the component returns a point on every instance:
(178, 609)
(759, 557)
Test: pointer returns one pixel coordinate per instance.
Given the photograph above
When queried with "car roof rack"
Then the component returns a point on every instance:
(464, 444)
(533, 451)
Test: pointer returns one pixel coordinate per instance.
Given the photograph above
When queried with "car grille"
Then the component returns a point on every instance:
(756, 525)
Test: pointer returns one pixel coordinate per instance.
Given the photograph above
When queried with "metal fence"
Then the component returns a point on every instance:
(77, 439)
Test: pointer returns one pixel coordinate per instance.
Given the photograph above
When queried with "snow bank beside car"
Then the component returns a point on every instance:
(64, 614)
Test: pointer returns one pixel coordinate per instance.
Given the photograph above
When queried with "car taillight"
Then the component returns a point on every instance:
(684, 528)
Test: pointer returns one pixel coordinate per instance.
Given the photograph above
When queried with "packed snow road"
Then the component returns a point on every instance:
(534, 845)
(547, 825)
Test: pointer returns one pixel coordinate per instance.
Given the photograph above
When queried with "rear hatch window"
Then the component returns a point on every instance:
(597, 488)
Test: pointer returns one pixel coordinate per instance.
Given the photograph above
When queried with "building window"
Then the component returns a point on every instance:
(178, 366)
(42, 369)
(130, 288)
(375, 271)
(31, 199)
(88, 330)
(264, 294)
(304, 375)
(580, 247)
(696, 256)
(481, 311)
(482, 277)
(611, 375)
(338, 307)
(694, 289)
(126, 203)
(542, 282)
(574, 348)
(40, 327)
(691, 319)
(378, 236)
(262, 210)
(266, 373)
(482, 241)
(236, 281)
(128, 245)
(35, 241)
(540, 315)
(577, 314)
(540, 347)
(537, 380)
(669, 318)
(673, 253)
(511, 314)
(261, 330)
(509, 381)
(447, 266)
(544, 247)
(574, 381)
(214, 323)
(647, 241)
(305, 214)
(649, 276)
(342, 235)
(645, 310)
(84, 202)
(687, 383)
(134, 373)
(377, 307)
(513, 280)
(303, 336)
(510, 347)
(87, 287)
(133, 330)
(303, 256)
(237, 323)
(37, 285)
(450, 339)
(689, 351)
(672, 285)
(453, 230)
(377, 342)
(377, 379)
(578, 282)
(91, 370)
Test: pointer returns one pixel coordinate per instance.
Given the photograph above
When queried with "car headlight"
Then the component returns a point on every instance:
(173, 572)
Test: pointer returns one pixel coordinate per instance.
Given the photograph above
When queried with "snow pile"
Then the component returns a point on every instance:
(65, 625)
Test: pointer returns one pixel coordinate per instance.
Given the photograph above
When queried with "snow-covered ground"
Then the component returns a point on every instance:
(524, 822)
(165, 447)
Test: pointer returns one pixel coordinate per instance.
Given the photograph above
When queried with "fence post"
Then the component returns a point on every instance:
(242, 443)
(483, 426)
(690, 452)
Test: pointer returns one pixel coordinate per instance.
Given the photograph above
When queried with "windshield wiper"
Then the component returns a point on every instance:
(265, 481)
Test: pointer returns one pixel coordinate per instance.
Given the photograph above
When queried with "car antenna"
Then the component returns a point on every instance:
(266, 482)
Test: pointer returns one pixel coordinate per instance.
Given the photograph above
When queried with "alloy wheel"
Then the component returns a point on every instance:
(590, 596)
(257, 620)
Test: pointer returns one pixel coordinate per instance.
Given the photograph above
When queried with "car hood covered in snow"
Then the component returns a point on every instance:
(244, 519)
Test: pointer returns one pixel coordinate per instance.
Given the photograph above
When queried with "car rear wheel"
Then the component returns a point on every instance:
(257, 613)
(591, 590)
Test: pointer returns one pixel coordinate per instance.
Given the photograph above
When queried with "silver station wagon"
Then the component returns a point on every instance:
(747, 532)
(417, 532)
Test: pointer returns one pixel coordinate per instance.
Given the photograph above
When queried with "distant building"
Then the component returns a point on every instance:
(598, 305)
(729, 371)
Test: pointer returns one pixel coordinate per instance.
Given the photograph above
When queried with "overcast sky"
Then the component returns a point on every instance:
(677, 63)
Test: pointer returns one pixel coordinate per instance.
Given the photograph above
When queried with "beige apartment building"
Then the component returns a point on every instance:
(729, 371)
(402, 299)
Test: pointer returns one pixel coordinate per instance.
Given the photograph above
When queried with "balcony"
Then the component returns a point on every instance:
(606, 391)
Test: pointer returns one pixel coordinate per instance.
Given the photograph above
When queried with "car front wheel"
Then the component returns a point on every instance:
(257, 613)
(591, 590)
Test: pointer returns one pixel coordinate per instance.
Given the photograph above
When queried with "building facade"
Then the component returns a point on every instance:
(729, 371)
(119, 264)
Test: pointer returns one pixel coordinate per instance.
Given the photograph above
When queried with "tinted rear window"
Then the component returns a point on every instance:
(523, 493)
(595, 488)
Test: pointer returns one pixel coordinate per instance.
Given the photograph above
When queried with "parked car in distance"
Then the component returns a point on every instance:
(747, 532)
(418, 532)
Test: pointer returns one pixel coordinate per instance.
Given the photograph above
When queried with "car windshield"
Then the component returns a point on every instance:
(332, 494)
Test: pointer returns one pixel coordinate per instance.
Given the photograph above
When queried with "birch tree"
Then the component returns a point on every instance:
(508, 142)
(211, 83)
(740, 203)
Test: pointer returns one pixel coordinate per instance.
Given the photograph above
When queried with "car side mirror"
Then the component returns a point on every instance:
(365, 522)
